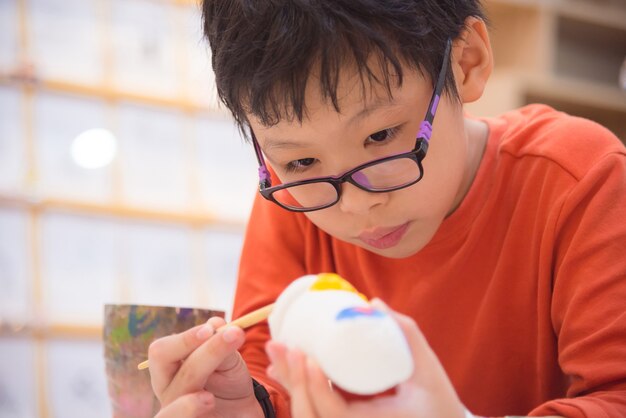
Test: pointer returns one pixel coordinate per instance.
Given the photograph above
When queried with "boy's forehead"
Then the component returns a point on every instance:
(358, 95)
(357, 85)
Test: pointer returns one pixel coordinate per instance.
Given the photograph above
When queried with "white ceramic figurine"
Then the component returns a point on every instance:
(361, 349)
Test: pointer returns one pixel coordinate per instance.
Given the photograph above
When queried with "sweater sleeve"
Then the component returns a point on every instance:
(272, 257)
(589, 293)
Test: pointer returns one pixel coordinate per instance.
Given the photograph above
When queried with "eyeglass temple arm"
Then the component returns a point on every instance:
(265, 179)
(426, 127)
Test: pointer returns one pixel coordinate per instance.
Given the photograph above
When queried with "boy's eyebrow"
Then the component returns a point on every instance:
(380, 102)
(271, 143)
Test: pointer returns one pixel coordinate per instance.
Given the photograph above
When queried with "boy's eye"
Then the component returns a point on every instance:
(299, 165)
(379, 136)
(382, 136)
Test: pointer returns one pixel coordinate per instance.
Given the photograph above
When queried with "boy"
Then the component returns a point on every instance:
(503, 238)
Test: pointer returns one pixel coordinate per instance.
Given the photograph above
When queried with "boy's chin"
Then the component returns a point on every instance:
(402, 250)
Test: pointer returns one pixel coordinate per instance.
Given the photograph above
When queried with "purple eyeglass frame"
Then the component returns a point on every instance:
(417, 154)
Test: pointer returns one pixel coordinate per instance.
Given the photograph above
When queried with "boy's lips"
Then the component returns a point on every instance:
(384, 237)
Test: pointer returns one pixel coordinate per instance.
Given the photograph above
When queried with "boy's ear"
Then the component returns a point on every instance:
(472, 60)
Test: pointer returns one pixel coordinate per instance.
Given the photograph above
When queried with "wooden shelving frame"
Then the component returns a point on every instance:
(531, 51)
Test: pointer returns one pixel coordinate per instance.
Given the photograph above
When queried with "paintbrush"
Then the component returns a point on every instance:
(243, 322)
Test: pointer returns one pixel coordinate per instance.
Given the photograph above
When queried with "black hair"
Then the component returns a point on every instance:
(263, 51)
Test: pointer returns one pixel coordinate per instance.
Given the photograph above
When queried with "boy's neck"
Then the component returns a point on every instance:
(477, 133)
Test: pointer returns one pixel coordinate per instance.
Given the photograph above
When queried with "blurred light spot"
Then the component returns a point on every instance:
(94, 148)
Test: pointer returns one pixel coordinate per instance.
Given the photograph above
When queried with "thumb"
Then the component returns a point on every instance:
(427, 368)
(428, 371)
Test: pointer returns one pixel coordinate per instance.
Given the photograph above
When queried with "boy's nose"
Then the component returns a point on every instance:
(355, 200)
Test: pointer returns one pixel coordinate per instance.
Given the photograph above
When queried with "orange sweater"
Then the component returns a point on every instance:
(522, 291)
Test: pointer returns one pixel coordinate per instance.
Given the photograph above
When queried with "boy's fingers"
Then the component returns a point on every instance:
(320, 401)
(192, 405)
(219, 352)
(301, 405)
(278, 369)
(216, 322)
(325, 402)
(429, 377)
(166, 353)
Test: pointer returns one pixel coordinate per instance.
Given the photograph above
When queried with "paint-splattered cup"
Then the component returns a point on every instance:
(128, 331)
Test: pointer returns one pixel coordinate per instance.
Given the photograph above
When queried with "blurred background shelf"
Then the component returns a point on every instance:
(191, 218)
(50, 331)
(570, 54)
(107, 94)
(161, 223)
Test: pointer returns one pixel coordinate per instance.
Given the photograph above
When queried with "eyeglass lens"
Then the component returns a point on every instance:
(384, 176)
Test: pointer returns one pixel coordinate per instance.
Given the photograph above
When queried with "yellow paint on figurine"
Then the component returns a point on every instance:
(333, 281)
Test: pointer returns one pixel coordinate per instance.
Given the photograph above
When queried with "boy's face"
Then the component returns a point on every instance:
(370, 126)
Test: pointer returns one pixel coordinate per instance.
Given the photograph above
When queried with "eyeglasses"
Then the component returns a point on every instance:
(382, 175)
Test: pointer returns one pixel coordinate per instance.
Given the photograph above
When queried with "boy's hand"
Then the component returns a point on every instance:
(198, 373)
(427, 393)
